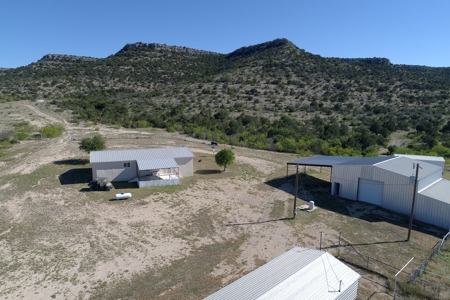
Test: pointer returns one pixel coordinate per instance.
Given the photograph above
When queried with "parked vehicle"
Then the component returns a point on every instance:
(100, 184)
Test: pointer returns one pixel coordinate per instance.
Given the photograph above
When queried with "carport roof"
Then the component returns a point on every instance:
(330, 161)
(155, 164)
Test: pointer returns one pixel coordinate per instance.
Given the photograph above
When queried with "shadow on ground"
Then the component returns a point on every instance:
(311, 188)
(76, 176)
(207, 172)
(72, 162)
(125, 185)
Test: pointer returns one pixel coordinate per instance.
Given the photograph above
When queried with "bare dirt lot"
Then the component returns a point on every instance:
(59, 240)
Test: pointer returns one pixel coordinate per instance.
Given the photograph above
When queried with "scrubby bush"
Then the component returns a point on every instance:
(95, 143)
(21, 136)
(52, 130)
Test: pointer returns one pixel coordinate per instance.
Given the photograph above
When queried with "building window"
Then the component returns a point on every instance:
(126, 165)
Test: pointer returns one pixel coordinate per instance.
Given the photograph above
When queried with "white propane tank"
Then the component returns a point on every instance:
(311, 205)
(123, 195)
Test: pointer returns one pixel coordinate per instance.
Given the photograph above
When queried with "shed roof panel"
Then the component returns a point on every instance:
(404, 166)
(299, 270)
(139, 154)
(422, 157)
(155, 164)
(439, 191)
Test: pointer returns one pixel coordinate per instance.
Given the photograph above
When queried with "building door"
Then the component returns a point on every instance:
(336, 188)
(370, 191)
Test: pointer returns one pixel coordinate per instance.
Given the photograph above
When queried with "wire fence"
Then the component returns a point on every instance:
(336, 245)
(436, 249)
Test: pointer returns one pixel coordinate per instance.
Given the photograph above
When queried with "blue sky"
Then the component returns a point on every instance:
(404, 31)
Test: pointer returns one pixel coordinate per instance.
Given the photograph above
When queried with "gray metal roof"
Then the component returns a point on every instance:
(139, 154)
(404, 166)
(330, 161)
(422, 157)
(154, 164)
(313, 274)
(439, 191)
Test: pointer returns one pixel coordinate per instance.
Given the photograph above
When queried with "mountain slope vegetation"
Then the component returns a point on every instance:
(269, 96)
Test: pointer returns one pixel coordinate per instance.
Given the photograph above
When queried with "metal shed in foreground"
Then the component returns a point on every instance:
(299, 273)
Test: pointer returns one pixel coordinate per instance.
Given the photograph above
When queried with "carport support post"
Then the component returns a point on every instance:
(287, 172)
(413, 201)
(295, 192)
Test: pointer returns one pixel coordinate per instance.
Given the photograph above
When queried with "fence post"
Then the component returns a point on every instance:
(320, 245)
(339, 245)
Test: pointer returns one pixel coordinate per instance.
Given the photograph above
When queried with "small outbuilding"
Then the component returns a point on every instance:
(147, 167)
(388, 181)
(300, 273)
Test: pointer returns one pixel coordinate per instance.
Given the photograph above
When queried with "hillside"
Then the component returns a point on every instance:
(270, 96)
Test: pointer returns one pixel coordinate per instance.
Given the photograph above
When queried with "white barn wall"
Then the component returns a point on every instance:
(397, 191)
(115, 171)
(186, 165)
(432, 211)
(347, 177)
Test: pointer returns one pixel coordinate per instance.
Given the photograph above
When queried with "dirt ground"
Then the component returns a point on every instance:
(58, 240)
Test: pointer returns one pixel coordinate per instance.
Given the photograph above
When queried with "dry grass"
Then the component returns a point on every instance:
(59, 240)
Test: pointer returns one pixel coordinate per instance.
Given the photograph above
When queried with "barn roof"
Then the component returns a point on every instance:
(404, 166)
(154, 164)
(438, 191)
(330, 161)
(139, 154)
(422, 157)
(313, 274)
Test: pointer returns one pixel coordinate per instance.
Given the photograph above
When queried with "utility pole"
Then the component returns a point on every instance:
(413, 201)
(295, 192)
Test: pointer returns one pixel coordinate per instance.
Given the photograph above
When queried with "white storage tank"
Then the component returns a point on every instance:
(123, 196)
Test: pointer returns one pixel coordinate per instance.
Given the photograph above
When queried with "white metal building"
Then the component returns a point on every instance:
(389, 182)
(299, 273)
(148, 167)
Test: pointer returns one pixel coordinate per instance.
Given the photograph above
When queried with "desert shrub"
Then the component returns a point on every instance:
(95, 143)
(52, 130)
(21, 136)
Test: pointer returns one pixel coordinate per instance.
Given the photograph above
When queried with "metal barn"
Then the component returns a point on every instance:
(389, 182)
(147, 167)
(299, 273)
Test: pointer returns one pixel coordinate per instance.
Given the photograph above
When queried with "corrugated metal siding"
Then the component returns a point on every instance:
(398, 189)
(114, 171)
(397, 192)
(351, 293)
(139, 154)
(297, 274)
(186, 166)
(432, 211)
(347, 177)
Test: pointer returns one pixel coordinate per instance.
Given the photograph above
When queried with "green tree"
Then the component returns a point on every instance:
(224, 158)
(95, 143)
